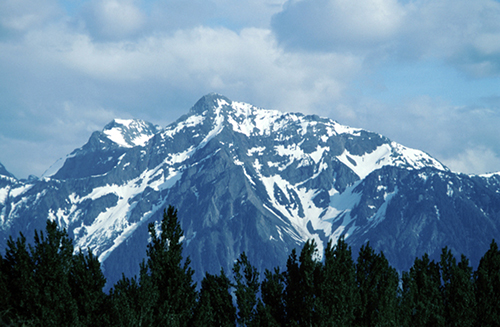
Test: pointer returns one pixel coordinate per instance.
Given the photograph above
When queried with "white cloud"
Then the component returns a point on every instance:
(477, 160)
(488, 43)
(22, 15)
(154, 77)
(338, 24)
(464, 33)
(246, 13)
(123, 58)
(114, 19)
(45, 134)
(125, 19)
(248, 63)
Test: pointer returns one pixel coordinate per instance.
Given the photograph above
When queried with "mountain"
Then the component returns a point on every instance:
(4, 172)
(253, 180)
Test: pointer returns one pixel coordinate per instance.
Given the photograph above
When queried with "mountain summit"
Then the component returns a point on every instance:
(130, 132)
(254, 180)
(4, 172)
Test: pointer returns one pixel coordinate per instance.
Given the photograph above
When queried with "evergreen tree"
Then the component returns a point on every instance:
(18, 270)
(458, 290)
(86, 282)
(166, 276)
(422, 301)
(5, 306)
(487, 287)
(337, 291)
(378, 289)
(132, 303)
(292, 293)
(300, 281)
(38, 278)
(52, 256)
(271, 311)
(247, 287)
(262, 317)
(215, 305)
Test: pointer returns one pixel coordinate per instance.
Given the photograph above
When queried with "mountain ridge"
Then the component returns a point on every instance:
(253, 180)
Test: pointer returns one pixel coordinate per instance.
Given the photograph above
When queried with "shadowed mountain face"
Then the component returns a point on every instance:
(253, 180)
(4, 172)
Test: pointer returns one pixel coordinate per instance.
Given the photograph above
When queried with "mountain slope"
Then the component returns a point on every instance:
(254, 180)
(4, 172)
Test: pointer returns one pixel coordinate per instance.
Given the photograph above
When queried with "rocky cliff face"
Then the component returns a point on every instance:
(253, 180)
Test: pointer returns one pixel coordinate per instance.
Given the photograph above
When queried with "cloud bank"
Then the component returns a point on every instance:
(68, 68)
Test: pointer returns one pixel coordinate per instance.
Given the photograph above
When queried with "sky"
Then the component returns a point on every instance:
(425, 73)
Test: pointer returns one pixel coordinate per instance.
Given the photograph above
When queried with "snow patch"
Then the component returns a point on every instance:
(449, 190)
(4, 192)
(19, 189)
(257, 150)
(393, 154)
(380, 215)
(129, 132)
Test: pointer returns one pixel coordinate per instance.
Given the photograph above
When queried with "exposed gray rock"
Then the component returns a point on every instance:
(253, 180)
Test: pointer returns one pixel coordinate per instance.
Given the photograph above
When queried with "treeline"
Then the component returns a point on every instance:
(46, 284)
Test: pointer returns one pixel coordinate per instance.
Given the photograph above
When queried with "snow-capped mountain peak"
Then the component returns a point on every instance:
(120, 133)
(130, 132)
(248, 179)
(214, 112)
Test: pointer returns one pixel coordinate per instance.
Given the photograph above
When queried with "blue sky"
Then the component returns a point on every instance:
(425, 73)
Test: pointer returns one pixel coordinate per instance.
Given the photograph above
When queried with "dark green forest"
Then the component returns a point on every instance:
(44, 283)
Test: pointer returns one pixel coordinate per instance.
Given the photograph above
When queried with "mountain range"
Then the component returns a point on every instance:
(251, 180)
